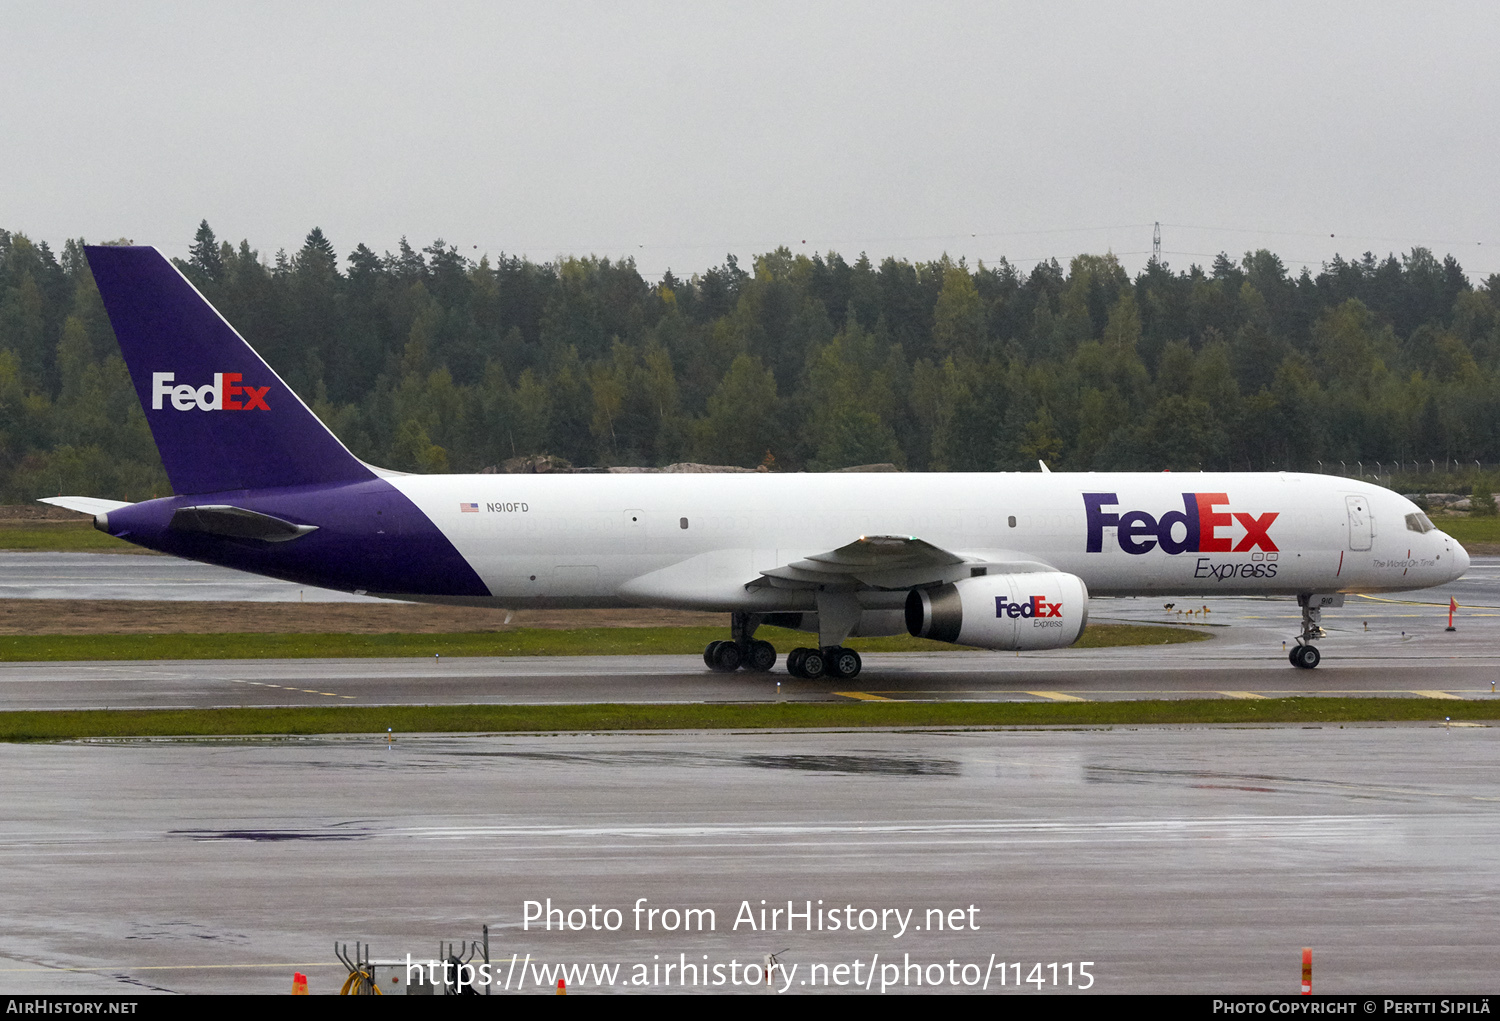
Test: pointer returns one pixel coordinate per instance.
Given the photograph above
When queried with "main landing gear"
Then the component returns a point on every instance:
(835, 661)
(727, 657)
(744, 651)
(1305, 655)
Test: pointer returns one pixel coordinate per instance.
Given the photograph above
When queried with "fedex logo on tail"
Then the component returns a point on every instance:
(224, 394)
(1200, 527)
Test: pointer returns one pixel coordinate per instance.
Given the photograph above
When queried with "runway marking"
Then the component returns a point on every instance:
(1438, 694)
(1241, 694)
(305, 691)
(1057, 696)
(864, 696)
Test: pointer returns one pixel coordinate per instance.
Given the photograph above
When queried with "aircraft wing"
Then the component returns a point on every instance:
(890, 562)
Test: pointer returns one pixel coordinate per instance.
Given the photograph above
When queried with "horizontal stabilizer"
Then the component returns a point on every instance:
(237, 523)
(84, 504)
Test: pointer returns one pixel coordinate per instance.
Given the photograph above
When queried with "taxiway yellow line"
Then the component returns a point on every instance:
(1241, 694)
(864, 696)
(1057, 696)
(1438, 694)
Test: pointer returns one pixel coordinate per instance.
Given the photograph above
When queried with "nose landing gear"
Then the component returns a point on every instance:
(1305, 655)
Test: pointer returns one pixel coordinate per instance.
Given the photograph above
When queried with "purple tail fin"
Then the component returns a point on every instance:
(221, 418)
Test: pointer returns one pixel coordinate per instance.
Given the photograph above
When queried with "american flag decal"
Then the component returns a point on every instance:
(469, 508)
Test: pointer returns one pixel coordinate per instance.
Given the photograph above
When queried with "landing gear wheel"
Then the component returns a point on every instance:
(761, 658)
(807, 664)
(726, 657)
(1305, 656)
(794, 662)
(708, 653)
(842, 663)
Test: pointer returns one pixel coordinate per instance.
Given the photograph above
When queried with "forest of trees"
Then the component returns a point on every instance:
(429, 361)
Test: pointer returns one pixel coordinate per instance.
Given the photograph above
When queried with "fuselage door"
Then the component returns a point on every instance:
(633, 529)
(1361, 522)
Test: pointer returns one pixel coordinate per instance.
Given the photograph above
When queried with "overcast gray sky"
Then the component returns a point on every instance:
(675, 133)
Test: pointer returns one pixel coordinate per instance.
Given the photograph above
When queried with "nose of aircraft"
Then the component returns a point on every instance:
(1460, 560)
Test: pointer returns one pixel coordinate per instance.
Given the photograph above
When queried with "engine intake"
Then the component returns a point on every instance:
(1045, 610)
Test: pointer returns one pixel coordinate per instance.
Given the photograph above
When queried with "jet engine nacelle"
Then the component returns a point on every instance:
(1045, 610)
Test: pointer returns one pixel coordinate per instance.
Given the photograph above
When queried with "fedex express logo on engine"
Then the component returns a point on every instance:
(224, 394)
(1036, 606)
(1200, 527)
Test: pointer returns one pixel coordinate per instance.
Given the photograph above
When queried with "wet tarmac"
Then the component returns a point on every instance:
(1171, 859)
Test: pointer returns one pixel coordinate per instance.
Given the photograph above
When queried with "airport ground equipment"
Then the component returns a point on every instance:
(361, 980)
(459, 963)
(454, 972)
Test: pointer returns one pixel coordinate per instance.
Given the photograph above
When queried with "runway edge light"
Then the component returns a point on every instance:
(1307, 971)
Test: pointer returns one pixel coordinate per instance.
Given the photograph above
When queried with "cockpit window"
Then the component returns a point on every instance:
(1419, 522)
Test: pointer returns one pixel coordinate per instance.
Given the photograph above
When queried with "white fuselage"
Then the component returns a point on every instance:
(695, 541)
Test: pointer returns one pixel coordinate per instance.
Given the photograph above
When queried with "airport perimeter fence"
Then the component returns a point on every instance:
(1436, 484)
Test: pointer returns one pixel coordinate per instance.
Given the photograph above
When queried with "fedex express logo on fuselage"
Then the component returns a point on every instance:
(1200, 527)
(224, 394)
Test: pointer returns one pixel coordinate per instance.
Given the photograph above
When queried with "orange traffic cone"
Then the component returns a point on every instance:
(299, 984)
(562, 988)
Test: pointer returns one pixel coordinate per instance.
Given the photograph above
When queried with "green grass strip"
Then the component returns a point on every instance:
(63, 537)
(1470, 529)
(131, 723)
(618, 641)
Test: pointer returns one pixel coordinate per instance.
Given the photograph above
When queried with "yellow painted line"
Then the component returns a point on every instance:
(1465, 724)
(1419, 602)
(1057, 696)
(864, 696)
(1241, 694)
(1437, 694)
